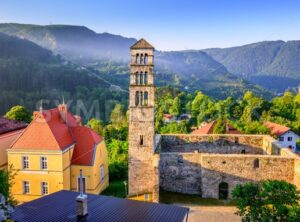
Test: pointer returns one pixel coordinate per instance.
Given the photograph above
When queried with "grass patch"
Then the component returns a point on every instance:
(116, 189)
(171, 198)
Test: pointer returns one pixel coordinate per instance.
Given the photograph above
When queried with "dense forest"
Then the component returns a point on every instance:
(30, 73)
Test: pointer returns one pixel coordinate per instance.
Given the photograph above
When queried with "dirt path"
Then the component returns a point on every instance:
(212, 214)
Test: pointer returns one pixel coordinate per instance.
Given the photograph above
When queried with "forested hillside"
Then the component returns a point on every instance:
(260, 62)
(109, 54)
(29, 73)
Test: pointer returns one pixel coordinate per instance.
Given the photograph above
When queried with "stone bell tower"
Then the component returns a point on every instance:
(142, 160)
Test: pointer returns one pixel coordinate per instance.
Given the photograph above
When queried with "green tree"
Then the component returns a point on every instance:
(19, 113)
(176, 108)
(6, 183)
(96, 125)
(118, 159)
(118, 116)
(220, 127)
(270, 200)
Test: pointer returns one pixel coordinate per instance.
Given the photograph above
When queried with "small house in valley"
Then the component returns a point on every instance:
(284, 135)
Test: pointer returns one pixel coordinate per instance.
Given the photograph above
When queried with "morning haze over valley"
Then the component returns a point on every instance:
(161, 111)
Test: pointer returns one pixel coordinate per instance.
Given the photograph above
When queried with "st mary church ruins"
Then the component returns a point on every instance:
(207, 165)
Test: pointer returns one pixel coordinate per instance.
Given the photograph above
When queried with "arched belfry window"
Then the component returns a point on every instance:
(141, 78)
(146, 59)
(141, 98)
(137, 98)
(146, 78)
(137, 78)
(142, 59)
(145, 99)
(137, 59)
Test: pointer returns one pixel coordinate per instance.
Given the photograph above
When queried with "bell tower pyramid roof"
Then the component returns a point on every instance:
(142, 44)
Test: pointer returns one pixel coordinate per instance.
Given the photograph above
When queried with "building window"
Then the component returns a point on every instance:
(146, 196)
(78, 184)
(26, 187)
(25, 162)
(141, 78)
(137, 98)
(146, 59)
(141, 98)
(44, 188)
(141, 140)
(145, 99)
(290, 138)
(137, 78)
(256, 163)
(146, 78)
(141, 59)
(102, 172)
(44, 163)
(137, 59)
(281, 138)
(223, 191)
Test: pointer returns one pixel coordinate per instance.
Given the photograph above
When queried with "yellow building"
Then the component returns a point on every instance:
(51, 151)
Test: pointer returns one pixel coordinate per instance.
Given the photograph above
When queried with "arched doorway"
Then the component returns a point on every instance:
(223, 191)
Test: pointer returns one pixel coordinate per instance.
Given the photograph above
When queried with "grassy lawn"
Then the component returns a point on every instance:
(115, 189)
(170, 197)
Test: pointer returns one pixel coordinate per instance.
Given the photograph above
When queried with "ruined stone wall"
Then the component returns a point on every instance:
(286, 152)
(201, 174)
(181, 172)
(238, 169)
(214, 143)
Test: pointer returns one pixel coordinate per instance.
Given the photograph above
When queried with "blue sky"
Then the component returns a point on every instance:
(168, 24)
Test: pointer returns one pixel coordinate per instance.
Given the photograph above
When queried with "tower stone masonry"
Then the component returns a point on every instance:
(142, 163)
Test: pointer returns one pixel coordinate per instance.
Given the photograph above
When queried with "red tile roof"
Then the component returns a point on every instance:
(86, 140)
(207, 129)
(50, 131)
(276, 129)
(8, 125)
(168, 116)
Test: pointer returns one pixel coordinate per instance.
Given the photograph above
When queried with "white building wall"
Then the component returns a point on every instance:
(286, 143)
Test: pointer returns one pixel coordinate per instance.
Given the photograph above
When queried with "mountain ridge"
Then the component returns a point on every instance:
(177, 68)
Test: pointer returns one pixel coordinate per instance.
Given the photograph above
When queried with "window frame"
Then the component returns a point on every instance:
(290, 139)
(25, 162)
(26, 186)
(281, 139)
(43, 163)
(42, 188)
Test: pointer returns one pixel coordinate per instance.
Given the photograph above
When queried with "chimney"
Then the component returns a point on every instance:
(63, 110)
(78, 120)
(81, 202)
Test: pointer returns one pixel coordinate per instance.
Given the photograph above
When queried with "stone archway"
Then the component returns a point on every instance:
(223, 191)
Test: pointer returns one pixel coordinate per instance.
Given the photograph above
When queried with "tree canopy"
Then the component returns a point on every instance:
(19, 113)
(270, 200)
